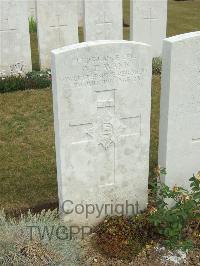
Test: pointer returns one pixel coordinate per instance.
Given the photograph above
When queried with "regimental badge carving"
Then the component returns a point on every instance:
(107, 128)
(107, 131)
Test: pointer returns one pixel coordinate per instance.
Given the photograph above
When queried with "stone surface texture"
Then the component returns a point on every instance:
(103, 20)
(57, 27)
(149, 23)
(14, 35)
(102, 102)
(179, 148)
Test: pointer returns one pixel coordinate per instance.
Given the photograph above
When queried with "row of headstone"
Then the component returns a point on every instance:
(58, 25)
(102, 105)
(103, 20)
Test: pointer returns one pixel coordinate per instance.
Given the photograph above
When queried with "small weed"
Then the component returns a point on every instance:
(157, 66)
(32, 25)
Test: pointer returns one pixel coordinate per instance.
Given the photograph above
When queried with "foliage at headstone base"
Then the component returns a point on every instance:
(173, 220)
(20, 247)
(28, 81)
(177, 227)
(123, 237)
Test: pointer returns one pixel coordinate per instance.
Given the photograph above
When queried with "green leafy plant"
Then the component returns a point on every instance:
(32, 24)
(174, 209)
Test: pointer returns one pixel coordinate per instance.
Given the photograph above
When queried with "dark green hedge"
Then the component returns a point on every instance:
(32, 80)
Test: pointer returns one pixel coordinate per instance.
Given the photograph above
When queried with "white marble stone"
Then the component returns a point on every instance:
(103, 20)
(14, 36)
(179, 148)
(57, 26)
(149, 23)
(102, 98)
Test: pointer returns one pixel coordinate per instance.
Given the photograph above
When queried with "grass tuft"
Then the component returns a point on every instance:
(32, 25)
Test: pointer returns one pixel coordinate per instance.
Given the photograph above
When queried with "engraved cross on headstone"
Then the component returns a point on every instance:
(59, 27)
(4, 25)
(150, 18)
(103, 25)
(107, 130)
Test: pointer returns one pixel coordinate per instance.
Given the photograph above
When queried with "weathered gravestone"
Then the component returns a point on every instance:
(102, 96)
(14, 37)
(149, 23)
(103, 20)
(179, 148)
(57, 26)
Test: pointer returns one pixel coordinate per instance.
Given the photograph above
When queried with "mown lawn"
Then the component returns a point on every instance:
(27, 151)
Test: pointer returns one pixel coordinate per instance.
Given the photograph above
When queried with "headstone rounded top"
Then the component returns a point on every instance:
(184, 36)
(96, 43)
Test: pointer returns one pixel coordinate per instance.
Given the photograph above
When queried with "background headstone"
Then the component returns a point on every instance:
(14, 35)
(57, 27)
(149, 23)
(102, 98)
(179, 147)
(103, 20)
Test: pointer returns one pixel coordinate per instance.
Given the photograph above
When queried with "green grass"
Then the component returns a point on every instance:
(27, 152)
(183, 16)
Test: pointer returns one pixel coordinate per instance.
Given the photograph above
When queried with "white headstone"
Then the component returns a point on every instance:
(57, 26)
(103, 20)
(149, 23)
(14, 36)
(102, 98)
(179, 148)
